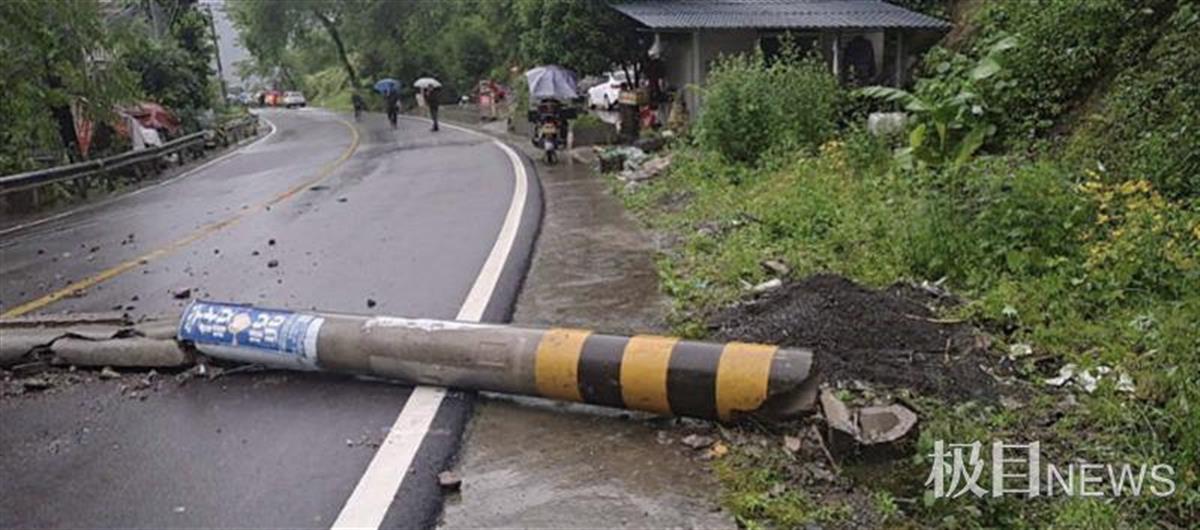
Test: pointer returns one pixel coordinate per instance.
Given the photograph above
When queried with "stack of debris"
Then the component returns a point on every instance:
(634, 164)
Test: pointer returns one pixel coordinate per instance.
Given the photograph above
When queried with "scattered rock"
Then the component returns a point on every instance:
(182, 294)
(94, 249)
(36, 383)
(134, 298)
(778, 267)
(769, 285)
(107, 373)
(791, 443)
(270, 242)
(371, 302)
(342, 199)
(41, 251)
(254, 253)
(449, 480)
(697, 441)
(216, 251)
(272, 264)
(1019, 350)
(318, 188)
(717, 450)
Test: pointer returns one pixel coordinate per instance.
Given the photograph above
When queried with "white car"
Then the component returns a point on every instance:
(605, 94)
(294, 99)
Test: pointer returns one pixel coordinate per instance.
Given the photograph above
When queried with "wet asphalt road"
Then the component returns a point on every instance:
(322, 214)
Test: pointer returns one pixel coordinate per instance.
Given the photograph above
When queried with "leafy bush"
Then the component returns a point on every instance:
(751, 107)
(1003, 222)
(949, 113)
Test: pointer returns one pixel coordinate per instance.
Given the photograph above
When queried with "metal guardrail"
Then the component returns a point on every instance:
(95, 168)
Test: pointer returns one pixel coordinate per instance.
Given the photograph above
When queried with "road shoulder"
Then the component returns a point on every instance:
(531, 463)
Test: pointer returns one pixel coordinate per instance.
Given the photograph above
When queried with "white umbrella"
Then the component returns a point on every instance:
(427, 82)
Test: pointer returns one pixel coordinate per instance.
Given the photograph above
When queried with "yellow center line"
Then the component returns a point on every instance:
(199, 234)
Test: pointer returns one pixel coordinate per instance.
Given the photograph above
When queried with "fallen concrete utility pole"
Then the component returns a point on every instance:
(657, 374)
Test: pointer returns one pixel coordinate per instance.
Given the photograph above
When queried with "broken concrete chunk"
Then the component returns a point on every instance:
(778, 267)
(697, 441)
(108, 373)
(129, 352)
(449, 480)
(769, 285)
(1064, 374)
(791, 443)
(717, 450)
(36, 383)
(877, 432)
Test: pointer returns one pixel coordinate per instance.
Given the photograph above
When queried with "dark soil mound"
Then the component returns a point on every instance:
(881, 337)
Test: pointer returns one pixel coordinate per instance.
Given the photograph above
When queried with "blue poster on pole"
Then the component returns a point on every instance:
(251, 334)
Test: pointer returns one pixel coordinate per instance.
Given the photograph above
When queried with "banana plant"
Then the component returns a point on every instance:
(949, 128)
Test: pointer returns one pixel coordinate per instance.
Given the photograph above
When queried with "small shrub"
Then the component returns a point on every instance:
(752, 108)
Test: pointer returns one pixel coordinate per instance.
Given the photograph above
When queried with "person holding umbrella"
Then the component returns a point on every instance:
(390, 88)
(431, 91)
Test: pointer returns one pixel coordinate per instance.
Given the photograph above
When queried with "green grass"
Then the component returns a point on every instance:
(1018, 238)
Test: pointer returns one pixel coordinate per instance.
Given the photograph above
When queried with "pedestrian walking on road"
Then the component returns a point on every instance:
(431, 92)
(392, 102)
(433, 96)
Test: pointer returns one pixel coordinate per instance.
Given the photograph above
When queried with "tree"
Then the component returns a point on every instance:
(53, 54)
(587, 36)
(269, 26)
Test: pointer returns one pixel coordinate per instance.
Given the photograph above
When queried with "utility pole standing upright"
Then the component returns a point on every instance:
(212, 25)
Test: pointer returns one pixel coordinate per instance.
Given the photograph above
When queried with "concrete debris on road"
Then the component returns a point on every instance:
(697, 441)
(92, 340)
(450, 481)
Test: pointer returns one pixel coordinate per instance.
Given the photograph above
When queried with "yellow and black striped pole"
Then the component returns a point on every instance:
(657, 374)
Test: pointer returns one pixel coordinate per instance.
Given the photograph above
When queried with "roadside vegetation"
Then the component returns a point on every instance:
(57, 54)
(331, 48)
(1049, 177)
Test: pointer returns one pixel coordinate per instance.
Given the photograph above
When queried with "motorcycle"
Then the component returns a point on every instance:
(549, 88)
(550, 127)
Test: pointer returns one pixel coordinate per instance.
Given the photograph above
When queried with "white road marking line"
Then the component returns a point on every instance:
(373, 495)
(138, 191)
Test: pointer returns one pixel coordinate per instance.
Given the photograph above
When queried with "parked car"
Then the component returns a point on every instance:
(605, 94)
(294, 99)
